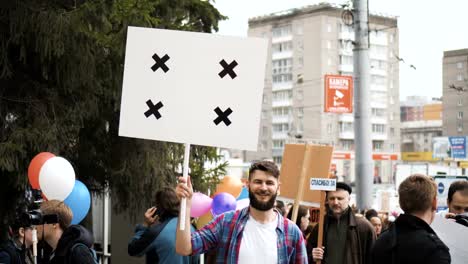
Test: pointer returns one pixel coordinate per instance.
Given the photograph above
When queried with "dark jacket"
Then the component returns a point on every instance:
(359, 240)
(410, 240)
(12, 253)
(81, 254)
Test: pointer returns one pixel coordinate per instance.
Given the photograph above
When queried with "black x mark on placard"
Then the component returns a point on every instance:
(153, 109)
(160, 62)
(222, 116)
(228, 69)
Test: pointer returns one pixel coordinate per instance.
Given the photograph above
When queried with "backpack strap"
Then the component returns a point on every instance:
(91, 251)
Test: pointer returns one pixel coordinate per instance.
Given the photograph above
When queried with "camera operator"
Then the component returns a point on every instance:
(70, 244)
(457, 199)
(17, 249)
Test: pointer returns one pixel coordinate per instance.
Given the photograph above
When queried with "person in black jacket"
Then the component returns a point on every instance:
(411, 239)
(16, 249)
(70, 244)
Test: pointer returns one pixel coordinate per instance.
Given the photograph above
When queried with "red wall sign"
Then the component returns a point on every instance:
(338, 94)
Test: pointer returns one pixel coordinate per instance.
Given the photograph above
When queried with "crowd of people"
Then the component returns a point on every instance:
(263, 231)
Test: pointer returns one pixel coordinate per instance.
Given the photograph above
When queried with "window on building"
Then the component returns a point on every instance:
(346, 60)
(459, 77)
(346, 127)
(329, 44)
(391, 100)
(264, 131)
(392, 37)
(282, 66)
(392, 147)
(459, 65)
(329, 61)
(378, 128)
(377, 145)
(278, 143)
(460, 102)
(299, 29)
(264, 114)
(282, 31)
(392, 131)
(282, 95)
(300, 112)
(282, 46)
(378, 112)
(265, 99)
(459, 127)
(300, 62)
(329, 128)
(391, 116)
(264, 145)
(277, 160)
(300, 125)
(299, 95)
(329, 27)
(347, 144)
(460, 115)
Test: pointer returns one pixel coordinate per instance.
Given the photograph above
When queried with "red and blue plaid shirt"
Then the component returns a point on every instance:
(224, 234)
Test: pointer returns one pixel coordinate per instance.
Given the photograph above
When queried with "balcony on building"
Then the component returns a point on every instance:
(345, 67)
(277, 152)
(283, 38)
(282, 86)
(279, 135)
(281, 119)
(282, 55)
(349, 118)
(346, 134)
(281, 102)
(379, 136)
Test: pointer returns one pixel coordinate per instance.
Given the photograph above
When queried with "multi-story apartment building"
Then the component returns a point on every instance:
(305, 45)
(455, 92)
(421, 121)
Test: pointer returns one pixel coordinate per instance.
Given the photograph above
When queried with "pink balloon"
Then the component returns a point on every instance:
(201, 204)
(242, 203)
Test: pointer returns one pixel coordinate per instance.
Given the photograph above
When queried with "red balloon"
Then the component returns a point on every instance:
(35, 167)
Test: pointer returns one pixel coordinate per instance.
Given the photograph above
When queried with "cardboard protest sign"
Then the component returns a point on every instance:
(317, 166)
(192, 88)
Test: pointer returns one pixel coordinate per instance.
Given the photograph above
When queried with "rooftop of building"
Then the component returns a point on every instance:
(455, 53)
(311, 9)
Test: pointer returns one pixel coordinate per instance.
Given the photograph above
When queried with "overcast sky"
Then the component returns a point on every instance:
(427, 29)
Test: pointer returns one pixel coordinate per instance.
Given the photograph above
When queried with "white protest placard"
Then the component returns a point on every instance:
(322, 184)
(193, 88)
(454, 236)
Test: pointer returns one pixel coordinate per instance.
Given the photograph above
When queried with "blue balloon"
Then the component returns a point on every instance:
(244, 194)
(223, 202)
(79, 202)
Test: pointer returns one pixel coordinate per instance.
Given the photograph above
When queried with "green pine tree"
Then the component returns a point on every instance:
(61, 68)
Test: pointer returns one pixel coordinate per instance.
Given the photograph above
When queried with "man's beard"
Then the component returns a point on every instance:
(259, 205)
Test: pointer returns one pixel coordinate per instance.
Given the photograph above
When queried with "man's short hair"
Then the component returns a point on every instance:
(417, 193)
(59, 208)
(456, 186)
(266, 166)
(167, 202)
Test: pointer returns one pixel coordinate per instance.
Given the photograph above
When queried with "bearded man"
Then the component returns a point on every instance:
(255, 234)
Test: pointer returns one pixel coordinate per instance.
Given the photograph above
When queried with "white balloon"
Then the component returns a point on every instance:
(57, 178)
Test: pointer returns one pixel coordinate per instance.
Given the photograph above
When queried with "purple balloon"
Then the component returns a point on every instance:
(223, 202)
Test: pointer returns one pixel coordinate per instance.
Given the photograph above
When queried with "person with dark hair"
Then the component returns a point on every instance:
(370, 213)
(255, 234)
(347, 239)
(156, 237)
(303, 218)
(17, 249)
(281, 207)
(457, 199)
(410, 239)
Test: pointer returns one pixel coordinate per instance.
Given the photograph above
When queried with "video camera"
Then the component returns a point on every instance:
(33, 216)
(462, 219)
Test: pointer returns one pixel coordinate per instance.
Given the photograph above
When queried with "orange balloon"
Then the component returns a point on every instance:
(35, 167)
(231, 185)
(204, 219)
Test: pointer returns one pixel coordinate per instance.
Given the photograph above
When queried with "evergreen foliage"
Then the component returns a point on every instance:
(61, 68)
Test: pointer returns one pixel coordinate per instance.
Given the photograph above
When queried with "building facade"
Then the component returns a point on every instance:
(455, 92)
(421, 121)
(305, 45)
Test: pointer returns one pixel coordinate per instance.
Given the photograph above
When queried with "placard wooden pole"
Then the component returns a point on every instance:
(183, 202)
(300, 188)
(323, 195)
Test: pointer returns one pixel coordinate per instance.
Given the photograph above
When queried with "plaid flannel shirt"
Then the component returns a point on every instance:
(224, 234)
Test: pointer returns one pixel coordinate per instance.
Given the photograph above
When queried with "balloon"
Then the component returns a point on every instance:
(244, 194)
(241, 204)
(35, 167)
(204, 219)
(231, 185)
(79, 202)
(201, 204)
(223, 202)
(57, 178)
